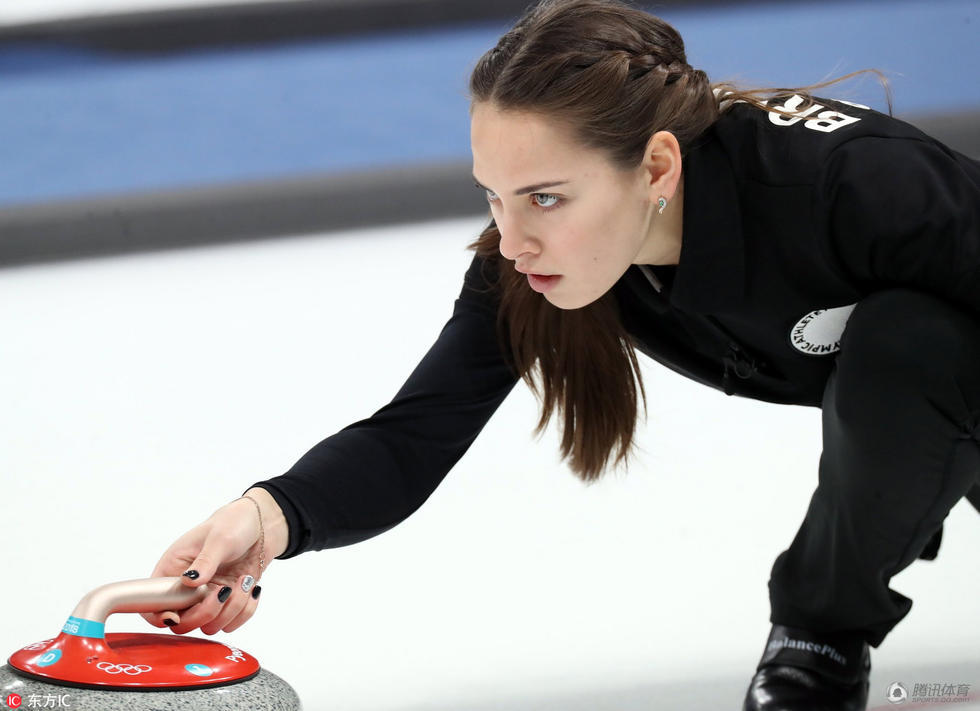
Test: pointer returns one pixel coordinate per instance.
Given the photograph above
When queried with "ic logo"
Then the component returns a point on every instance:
(13, 701)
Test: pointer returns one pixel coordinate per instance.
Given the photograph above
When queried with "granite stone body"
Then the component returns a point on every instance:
(264, 691)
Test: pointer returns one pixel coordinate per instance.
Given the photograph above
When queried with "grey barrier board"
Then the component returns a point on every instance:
(233, 24)
(199, 216)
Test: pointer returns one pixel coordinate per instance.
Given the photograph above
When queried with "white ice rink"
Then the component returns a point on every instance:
(140, 393)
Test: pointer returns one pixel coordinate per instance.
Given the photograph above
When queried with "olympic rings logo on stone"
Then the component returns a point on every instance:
(110, 668)
(37, 645)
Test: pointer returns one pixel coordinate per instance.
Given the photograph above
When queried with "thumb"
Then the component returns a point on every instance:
(159, 619)
(206, 564)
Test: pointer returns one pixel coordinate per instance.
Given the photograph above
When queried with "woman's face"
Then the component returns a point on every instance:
(567, 216)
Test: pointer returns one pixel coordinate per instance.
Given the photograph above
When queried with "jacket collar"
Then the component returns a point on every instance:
(711, 271)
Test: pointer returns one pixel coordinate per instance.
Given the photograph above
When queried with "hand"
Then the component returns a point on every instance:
(224, 551)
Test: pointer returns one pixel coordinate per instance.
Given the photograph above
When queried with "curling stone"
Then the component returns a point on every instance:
(85, 669)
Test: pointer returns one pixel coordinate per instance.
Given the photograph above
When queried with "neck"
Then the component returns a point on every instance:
(664, 232)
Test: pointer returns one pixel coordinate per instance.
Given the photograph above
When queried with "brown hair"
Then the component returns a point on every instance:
(616, 75)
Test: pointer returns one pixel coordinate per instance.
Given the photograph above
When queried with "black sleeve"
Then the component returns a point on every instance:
(905, 212)
(373, 474)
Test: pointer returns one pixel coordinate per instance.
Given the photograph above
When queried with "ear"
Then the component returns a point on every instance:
(662, 165)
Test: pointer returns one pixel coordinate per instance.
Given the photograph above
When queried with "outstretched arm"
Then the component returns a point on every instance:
(373, 474)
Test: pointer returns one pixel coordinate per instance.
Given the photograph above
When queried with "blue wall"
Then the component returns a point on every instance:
(76, 124)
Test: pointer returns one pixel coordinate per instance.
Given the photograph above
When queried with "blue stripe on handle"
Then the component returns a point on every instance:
(84, 628)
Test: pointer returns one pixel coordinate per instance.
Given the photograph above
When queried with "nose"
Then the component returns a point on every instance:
(515, 240)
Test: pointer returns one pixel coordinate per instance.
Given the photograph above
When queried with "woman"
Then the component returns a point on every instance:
(774, 246)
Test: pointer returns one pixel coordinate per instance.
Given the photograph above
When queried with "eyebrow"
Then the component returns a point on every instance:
(529, 189)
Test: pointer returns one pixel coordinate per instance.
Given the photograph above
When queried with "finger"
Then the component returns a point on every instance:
(178, 557)
(205, 565)
(246, 614)
(161, 619)
(165, 568)
(154, 618)
(169, 565)
(238, 597)
(201, 613)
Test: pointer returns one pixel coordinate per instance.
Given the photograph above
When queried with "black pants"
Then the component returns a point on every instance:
(901, 445)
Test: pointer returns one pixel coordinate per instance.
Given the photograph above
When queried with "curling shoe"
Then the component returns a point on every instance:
(806, 671)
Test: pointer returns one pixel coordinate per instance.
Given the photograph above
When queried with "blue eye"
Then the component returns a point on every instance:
(545, 201)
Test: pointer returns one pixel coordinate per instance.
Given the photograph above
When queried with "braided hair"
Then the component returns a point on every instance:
(615, 75)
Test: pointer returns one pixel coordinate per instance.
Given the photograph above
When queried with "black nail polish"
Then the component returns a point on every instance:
(170, 623)
(256, 591)
(192, 574)
(224, 594)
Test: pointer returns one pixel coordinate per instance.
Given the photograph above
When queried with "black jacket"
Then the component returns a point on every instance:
(787, 224)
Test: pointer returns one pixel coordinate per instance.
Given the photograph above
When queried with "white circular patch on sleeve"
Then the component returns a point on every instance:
(819, 332)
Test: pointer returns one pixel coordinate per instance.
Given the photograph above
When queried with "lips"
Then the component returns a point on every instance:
(542, 283)
(539, 282)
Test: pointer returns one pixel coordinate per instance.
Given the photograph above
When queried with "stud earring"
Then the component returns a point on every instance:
(662, 202)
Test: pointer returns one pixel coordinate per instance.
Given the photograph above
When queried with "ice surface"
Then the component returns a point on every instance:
(140, 393)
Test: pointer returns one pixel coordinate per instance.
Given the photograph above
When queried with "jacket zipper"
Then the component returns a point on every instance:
(739, 362)
(735, 360)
